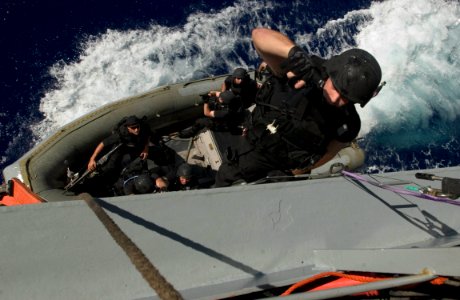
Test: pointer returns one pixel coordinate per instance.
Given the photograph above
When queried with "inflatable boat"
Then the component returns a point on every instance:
(41, 175)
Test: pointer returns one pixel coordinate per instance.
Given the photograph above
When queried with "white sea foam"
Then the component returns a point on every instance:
(418, 46)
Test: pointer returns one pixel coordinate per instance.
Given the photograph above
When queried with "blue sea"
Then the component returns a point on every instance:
(62, 59)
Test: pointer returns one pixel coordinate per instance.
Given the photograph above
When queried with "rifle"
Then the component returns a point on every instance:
(74, 181)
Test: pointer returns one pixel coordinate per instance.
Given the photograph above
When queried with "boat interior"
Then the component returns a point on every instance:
(168, 109)
(205, 152)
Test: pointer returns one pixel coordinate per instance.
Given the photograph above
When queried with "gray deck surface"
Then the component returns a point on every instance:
(208, 243)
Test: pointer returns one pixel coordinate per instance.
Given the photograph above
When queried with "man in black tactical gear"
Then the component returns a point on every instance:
(134, 135)
(137, 178)
(305, 112)
(187, 178)
(241, 84)
(223, 112)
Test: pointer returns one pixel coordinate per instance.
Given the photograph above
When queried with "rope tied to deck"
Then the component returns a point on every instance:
(162, 287)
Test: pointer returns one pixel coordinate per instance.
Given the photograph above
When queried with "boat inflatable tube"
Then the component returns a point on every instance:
(348, 158)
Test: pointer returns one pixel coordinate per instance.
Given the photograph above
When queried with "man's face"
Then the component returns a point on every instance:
(237, 80)
(333, 96)
(134, 129)
(184, 180)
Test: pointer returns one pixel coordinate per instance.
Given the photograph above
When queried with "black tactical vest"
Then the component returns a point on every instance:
(286, 125)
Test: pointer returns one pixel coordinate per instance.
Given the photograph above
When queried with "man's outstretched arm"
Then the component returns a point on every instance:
(273, 47)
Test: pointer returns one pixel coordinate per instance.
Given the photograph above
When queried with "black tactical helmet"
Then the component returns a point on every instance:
(356, 74)
(184, 170)
(239, 73)
(144, 184)
(227, 96)
(132, 120)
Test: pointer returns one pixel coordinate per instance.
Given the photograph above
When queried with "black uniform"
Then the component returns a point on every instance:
(134, 179)
(247, 89)
(228, 116)
(290, 128)
(132, 146)
(198, 178)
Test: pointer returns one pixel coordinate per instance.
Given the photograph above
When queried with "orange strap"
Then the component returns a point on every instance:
(354, 278)
(345, 280)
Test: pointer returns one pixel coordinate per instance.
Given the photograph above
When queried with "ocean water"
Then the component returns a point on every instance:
(60, 61)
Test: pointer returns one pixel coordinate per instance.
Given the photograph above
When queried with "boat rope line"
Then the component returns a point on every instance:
(399, 191)
(162, 287)
(186, 242)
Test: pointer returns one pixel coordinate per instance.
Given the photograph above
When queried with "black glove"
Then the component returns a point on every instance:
(299, 63)
(205, 98)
